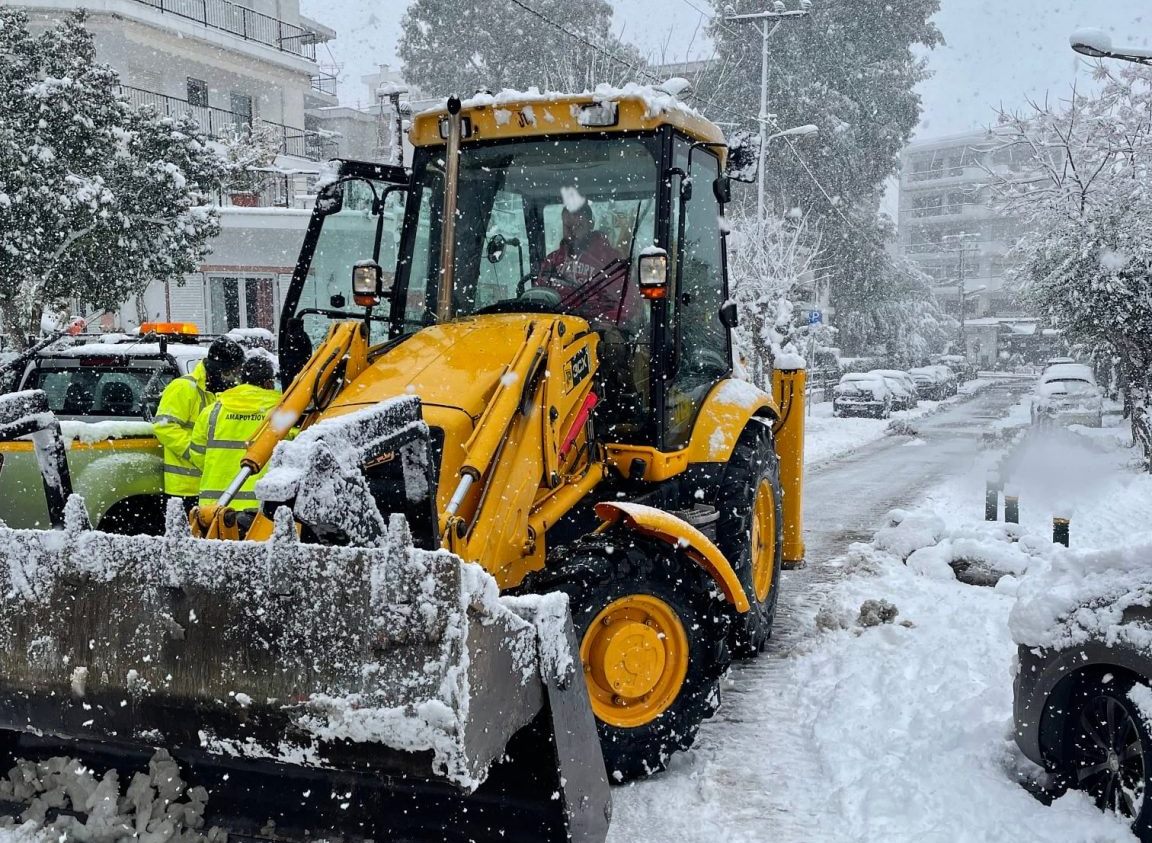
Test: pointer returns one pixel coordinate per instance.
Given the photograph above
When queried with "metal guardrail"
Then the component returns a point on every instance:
(301, 143)
(324, 83)
(244, 22)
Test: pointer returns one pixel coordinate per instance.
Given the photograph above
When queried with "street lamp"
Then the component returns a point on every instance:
(794, 132)
(1097, 44)
(779, 13)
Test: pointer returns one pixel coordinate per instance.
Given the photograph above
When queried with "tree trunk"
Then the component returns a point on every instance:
(13, 325)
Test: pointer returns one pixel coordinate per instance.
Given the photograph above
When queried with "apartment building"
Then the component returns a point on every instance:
(948, 229)
(230, 65)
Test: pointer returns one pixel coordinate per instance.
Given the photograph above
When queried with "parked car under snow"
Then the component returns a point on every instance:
(862, 395)
(1067, 394)
(934, 383)
(905, 395)
(1082, 703)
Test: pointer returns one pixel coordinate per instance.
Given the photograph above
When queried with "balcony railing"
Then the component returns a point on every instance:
(938, 211)
(243, 22)
(300, 143)
(324, 83)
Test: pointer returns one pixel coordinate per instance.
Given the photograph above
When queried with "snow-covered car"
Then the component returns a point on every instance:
(1067, 394)
(1082, 704)
(1058, 361)
(862, 394)
(905, 395)
(105, 394)
(933, 382)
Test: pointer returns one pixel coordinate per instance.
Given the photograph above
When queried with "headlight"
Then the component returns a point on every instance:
(367, 283)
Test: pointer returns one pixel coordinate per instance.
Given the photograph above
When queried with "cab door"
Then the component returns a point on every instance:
(701, 346)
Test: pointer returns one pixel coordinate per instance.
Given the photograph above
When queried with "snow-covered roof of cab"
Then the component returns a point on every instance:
(521, 114)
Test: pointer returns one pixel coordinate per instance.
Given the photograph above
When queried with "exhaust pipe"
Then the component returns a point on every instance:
(448, 230)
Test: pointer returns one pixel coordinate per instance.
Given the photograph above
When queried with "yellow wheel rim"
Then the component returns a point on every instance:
(763, 540)
(635, 656)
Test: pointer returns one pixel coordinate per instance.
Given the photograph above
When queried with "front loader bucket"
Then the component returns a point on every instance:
(382, 692)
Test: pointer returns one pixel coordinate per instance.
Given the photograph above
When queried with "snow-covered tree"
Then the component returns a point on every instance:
(768, 260)
(850, 68)
(1086, 259)
(249, 151)
(461, 46)
(97, 199)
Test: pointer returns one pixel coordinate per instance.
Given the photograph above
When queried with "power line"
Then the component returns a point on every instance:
(606, 53)
(707, 103)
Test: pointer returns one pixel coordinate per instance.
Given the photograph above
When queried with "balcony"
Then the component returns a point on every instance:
(299, 143)
(242, 22)
(324, 83)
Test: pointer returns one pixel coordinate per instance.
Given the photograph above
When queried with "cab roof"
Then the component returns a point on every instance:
(526, 114)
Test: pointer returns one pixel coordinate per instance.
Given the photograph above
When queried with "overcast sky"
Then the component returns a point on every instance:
(998, 51)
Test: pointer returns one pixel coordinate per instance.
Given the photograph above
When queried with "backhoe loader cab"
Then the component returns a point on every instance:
(550, 280)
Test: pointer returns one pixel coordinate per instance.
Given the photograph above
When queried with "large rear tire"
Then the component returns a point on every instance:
(750, 534)
(652, 644)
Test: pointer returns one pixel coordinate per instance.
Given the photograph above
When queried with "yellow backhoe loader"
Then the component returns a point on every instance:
(534, 374)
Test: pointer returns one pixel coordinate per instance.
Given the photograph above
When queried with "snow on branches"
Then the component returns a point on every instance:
(97, 199)
(1086, 258)
(768, 260)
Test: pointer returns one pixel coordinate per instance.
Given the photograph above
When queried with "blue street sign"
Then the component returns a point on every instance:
(815, 317)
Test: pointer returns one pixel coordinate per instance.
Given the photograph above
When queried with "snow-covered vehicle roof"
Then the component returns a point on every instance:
(1068, 372)
(930, 373)
(183, 353)
(517, 114)
(861, 380)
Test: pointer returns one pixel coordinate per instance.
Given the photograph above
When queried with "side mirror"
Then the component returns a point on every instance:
(367, 283)
(743, 156)
(496, 247)
(653, 273)
(729, 317)
(330, 199)
(722, 188)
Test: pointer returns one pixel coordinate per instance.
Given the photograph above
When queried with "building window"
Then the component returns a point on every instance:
(242, 109)
(240, 302)
(197, 92)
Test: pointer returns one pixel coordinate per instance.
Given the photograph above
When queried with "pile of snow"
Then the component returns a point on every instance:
(156, 807)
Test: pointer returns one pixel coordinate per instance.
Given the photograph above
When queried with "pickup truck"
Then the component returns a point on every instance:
(105, 394)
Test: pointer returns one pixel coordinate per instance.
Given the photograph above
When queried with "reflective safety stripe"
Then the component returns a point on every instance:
(228, 443)
(214, 494)
(186, 472)
(187, 425)
(198, 449)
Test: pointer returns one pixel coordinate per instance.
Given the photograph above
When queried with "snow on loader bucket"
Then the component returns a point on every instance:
(379, 690)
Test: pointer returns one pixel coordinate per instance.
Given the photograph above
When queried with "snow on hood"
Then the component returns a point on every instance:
(1083, 596)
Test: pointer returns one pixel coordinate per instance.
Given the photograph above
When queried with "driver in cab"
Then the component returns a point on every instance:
(587, 271)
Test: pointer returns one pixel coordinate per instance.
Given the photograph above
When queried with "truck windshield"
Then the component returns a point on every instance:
(550, 225)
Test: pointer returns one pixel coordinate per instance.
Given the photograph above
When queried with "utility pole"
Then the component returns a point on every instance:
(767, 23)
(960, 250)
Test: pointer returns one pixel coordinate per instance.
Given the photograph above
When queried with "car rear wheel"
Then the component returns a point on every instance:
(1106, 750)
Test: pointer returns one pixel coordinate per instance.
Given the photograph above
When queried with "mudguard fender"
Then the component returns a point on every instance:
(666, 527)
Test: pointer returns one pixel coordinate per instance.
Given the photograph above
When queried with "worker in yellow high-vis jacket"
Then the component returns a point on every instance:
(181, 404)
(225, 427)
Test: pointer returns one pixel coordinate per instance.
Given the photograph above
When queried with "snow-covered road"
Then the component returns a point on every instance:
(760, 771)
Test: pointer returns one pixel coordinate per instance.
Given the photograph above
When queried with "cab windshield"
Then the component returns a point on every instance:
(541, 226)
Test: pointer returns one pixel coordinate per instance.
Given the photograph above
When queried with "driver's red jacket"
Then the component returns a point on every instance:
(592, 282)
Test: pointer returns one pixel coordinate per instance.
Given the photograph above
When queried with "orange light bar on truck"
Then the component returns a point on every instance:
(177, 328)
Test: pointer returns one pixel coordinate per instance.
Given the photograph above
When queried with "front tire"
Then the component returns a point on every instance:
(750, 534)
(1108, 750)
(652, 644)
